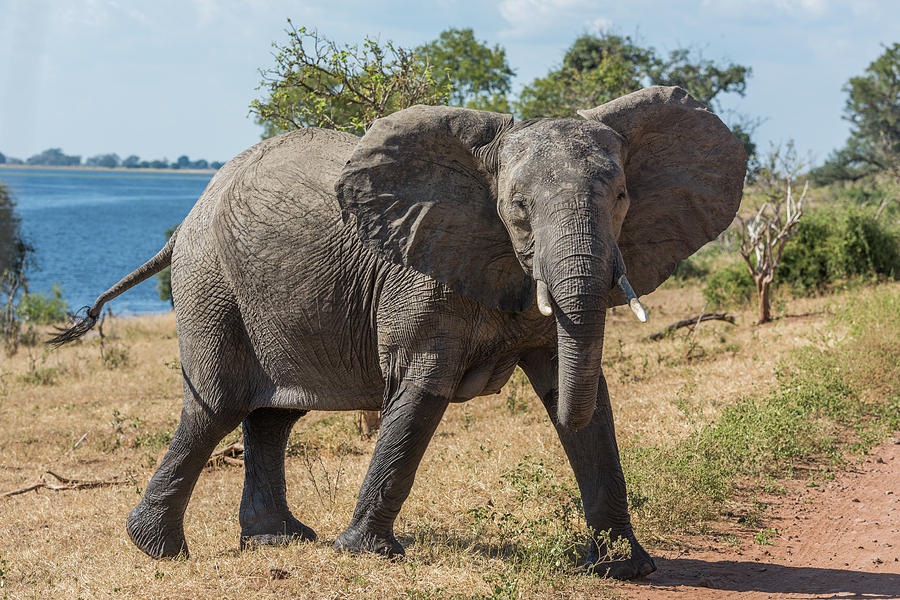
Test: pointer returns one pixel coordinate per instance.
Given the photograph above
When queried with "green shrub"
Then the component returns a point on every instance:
(164, 277)
(837, 244)
(830, 246)
(729, 285)
(39, 309)
(690, 268)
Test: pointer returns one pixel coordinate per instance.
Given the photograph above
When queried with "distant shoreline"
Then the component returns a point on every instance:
(110, 169)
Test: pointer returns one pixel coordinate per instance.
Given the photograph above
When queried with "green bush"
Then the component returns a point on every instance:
(830, 246)
(164, 277)
(729, 285)
(39, 309)
(690, 268)
(837, 244)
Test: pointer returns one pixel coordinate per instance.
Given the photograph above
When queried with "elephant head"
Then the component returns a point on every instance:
(550, 209)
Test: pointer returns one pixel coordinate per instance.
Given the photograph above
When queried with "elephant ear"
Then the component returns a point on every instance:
(420, 189)
(684, 172)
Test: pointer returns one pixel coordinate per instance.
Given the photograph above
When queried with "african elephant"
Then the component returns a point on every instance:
(417, 266)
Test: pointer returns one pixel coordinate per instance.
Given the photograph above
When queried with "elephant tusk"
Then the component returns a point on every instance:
(543, 299)
(639, 311)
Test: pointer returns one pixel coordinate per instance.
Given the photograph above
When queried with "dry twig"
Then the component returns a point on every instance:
(689, 322)
(66, 483)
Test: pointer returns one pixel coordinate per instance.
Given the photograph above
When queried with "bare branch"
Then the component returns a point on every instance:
(689, 322)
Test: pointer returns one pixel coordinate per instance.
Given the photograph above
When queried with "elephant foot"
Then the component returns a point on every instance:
(276, 532)
(153, 534)
(359, 542)
(639, 564)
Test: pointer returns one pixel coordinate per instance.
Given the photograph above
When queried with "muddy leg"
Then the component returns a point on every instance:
(265, 517)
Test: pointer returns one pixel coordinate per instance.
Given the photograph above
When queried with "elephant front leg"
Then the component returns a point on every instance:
(594, 456)
(407, 426)
(264, 515)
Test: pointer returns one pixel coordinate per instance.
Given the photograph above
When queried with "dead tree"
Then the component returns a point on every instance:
(764, 235)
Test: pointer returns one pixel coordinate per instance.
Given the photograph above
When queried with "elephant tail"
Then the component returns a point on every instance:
(84, 324)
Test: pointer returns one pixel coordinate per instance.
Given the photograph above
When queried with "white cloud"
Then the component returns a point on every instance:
(99, 13)
(207, 10)
(600, 25)
(802, 8)
(527, 16)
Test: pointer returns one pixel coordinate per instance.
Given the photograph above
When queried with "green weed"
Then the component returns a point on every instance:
(764, 537)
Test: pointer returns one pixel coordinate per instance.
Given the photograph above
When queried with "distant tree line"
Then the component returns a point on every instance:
(55, 157)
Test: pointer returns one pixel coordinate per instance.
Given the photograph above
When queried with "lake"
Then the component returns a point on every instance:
(90, 228)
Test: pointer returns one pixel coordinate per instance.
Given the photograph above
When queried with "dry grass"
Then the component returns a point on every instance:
(478, 523)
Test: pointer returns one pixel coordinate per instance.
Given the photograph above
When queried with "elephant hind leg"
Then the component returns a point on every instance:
(156, 524)
(265, 517)
(220, 376)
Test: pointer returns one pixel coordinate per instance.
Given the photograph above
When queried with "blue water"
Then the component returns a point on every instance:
(89, 228)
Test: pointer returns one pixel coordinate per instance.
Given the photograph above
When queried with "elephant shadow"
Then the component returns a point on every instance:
(751, 576)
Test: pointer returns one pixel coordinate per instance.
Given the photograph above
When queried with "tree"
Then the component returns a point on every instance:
(597, 69)
(109, 161)
(765, 234)
(873, 110)
(479, 76)
(132, 162)
(15, 258)
(54, 157)
(316, 82)
(2, 159)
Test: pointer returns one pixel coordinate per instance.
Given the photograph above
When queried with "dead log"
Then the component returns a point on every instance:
(692, 321)
(229, 455)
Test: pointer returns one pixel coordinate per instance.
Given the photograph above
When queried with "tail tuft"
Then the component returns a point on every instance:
(80, 327)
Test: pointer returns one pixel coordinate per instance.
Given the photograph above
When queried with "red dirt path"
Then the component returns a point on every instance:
(839, 540)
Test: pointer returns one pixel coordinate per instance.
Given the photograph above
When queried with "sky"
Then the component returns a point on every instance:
(163, 78)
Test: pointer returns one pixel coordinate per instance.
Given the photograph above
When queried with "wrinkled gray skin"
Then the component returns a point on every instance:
(321, 271)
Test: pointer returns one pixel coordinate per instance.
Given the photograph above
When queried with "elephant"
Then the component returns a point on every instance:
(415, 266)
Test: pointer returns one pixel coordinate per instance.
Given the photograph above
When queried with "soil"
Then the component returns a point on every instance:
(840, 539)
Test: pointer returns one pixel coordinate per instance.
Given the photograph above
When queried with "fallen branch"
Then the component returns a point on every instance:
(229, 455)
(692, 321)
(67, 484)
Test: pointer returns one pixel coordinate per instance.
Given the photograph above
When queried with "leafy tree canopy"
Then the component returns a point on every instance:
(318, 82)
(477, 75)
(873, 109)
(600, 68)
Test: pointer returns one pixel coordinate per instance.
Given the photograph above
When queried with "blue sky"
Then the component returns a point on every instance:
(169, 77)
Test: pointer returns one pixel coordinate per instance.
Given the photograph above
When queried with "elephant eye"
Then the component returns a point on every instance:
(518, 201)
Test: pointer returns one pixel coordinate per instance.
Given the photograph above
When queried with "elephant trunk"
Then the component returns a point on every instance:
(579, 272)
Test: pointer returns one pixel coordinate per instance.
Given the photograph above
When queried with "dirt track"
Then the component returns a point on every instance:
(838, 540)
